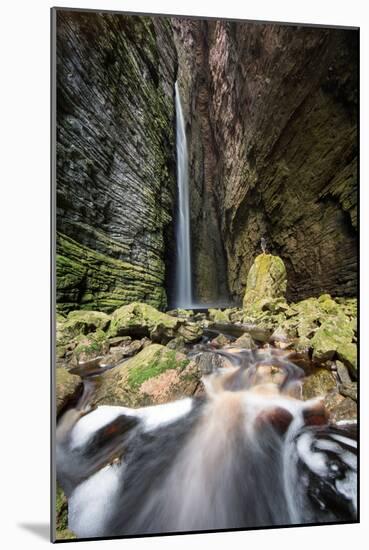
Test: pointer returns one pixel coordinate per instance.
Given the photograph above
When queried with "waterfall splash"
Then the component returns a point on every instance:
(247, 453)
(183, 283)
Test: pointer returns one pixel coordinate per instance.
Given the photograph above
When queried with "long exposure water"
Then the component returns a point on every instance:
(248, 452)
(183, 283)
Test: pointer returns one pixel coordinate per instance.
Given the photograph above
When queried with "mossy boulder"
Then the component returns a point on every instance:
(334, 336)
(81, 321)
(155, 375)
(191, 332)
(139, 319)
(267, 279)
(90, 346)
(68, 386)
(218, 316)
(144, 320)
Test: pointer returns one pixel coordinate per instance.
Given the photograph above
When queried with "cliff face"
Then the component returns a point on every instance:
(273, 145)
(116, 182)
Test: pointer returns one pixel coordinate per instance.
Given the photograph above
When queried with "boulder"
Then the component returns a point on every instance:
(245, 341)
(139, 320)
(218, 316)
(137, 381)
(68, 386)
(267, 280)
(191, 332)
(82, 321)
(334, 336)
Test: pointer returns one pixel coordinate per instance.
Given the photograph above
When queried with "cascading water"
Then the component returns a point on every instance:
(248, 453)
(183, 283)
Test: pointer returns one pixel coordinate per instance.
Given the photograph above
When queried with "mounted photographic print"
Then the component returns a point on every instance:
(205, 274)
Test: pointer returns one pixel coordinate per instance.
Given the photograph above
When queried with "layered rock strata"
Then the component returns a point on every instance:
(116, 182)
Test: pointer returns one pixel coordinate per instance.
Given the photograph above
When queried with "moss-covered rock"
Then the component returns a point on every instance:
(139, 319)
(335, 336)
(142, 319)
(267, 279)
(218, 316)
(128, 384)
(81, 321)
(67, 387)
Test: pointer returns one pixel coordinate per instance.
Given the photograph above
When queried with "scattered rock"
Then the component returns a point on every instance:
(140, 320)
(349, 390)
(220, 341)
(218, 316)
(245, 341)
(209, 362)
(191, 332)
(342, 373)
(317, 384)
(177, 343)
(68, 386)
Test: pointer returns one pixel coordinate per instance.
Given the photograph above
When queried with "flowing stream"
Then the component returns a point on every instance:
(246, 453)
(183, 283)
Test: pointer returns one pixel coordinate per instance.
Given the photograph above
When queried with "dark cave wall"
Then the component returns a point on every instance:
(271, 113)
(116, 182)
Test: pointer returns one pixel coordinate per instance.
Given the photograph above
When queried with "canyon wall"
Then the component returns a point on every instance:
(271, 121)
(116, 183)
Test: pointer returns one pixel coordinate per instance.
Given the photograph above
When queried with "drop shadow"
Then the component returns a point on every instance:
(42, 530)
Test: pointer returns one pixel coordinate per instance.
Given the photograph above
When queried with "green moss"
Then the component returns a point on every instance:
(267, 279)
(161, 361)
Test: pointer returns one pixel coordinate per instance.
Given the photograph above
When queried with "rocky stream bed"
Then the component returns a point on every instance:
(138, 357)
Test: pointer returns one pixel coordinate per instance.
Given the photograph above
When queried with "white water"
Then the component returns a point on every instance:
(248, 454)
(183, 283)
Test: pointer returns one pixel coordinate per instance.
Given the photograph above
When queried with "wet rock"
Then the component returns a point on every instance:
(245, 341)
(177, 343)
(116, 354)
(123, 384)
(349, 390)
(68, 387)
(191, 332)
(118, 341)
(279, 335)
(208, 362)
(342, 373)
(267, 279)
(90, 346)
(317, 384)
(345, 409)
(220, 341)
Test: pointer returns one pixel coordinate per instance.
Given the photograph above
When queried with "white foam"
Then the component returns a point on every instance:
(95, 420)
(158, 415)
(315, 461)
(152, 417)
(92, 501)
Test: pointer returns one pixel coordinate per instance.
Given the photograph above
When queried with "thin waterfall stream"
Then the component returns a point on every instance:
(183, 281)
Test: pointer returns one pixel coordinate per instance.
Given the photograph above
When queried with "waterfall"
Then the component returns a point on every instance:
(183, 283)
